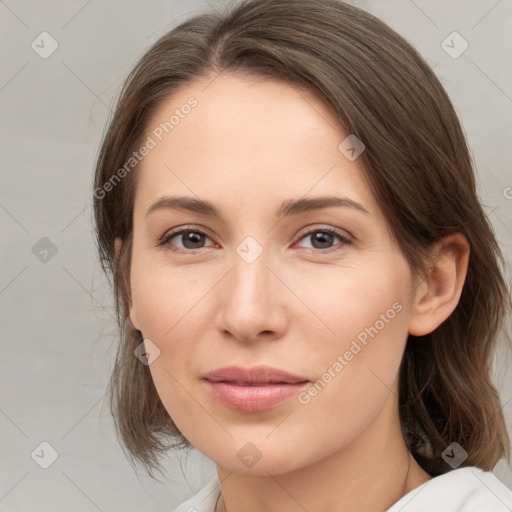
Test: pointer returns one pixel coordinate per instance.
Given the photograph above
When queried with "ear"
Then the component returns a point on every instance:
(438, 294)
(133, 316)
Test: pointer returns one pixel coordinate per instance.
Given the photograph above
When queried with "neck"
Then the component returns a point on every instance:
(371, 473)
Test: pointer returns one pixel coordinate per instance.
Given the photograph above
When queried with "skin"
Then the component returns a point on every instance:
(249, 145)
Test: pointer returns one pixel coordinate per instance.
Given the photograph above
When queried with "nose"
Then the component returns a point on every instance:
(251, 301)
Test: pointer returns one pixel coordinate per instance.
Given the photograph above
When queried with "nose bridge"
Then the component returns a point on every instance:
(249, 302)
(250, 275)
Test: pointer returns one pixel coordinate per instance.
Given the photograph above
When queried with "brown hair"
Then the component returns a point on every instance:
(418, 167)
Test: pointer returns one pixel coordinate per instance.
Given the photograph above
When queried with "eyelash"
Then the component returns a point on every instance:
(166, 239)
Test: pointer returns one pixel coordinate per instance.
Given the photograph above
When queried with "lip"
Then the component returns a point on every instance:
(252, 389)
(256, 374)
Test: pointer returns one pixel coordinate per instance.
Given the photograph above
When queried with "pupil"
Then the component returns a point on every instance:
(325, 238)
(192, 238)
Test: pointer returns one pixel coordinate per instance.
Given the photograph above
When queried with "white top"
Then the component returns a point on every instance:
(467, 489)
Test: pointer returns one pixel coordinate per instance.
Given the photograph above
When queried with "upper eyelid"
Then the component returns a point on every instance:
(308, 230)
(177, 231)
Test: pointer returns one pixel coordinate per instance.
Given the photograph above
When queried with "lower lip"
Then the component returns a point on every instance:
(253, 398)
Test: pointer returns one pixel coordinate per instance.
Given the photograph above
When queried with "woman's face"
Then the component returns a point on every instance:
(257, 288)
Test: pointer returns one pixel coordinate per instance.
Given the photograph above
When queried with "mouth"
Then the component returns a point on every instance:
(252, 389)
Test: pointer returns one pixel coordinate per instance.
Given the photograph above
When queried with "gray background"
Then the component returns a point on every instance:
(58, 334)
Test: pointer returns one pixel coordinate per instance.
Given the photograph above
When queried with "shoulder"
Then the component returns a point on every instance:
(203, 501)
(467, 489)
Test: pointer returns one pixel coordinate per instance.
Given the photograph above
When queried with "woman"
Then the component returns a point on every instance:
(308, 290)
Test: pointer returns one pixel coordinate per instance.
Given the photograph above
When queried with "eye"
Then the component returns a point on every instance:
(322, 238)
(191, 239)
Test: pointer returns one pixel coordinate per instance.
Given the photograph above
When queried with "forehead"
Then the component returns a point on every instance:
(248, 110)
(247, 137)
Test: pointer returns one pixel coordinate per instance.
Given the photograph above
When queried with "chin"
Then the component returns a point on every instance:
(257, 458)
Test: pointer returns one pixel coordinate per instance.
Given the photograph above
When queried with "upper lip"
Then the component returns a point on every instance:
(256, 374)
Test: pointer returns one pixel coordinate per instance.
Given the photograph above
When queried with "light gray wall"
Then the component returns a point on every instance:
(58, 335)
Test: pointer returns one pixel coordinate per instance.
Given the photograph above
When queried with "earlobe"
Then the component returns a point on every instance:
(133, 318)
(438, 294)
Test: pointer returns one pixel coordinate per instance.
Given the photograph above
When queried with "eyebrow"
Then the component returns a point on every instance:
(289, 207)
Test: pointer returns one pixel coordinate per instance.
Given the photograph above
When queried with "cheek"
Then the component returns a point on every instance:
(363, 322)
(170, 306)
(356, 369)
(173, 308)
(340, 304)
(163, 297)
